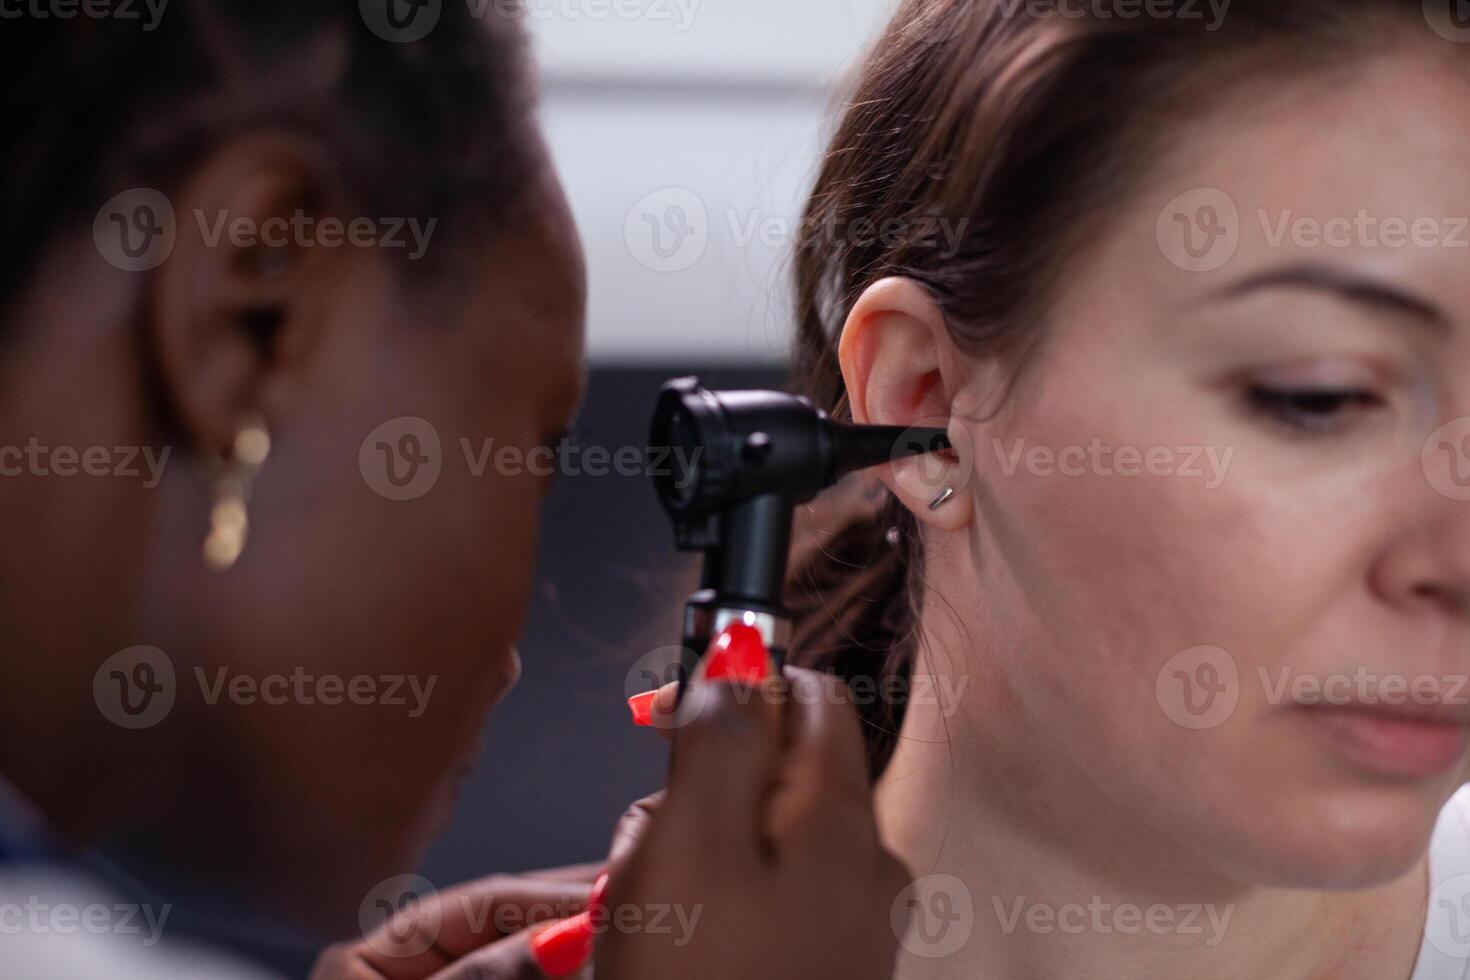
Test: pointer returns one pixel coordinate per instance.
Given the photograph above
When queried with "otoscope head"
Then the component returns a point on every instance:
(722, 448)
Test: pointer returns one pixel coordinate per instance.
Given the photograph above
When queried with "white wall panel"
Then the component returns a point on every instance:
(701, 123)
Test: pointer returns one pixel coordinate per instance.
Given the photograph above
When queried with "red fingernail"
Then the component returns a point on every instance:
(563, 948)
(738, 655)
(642, 707)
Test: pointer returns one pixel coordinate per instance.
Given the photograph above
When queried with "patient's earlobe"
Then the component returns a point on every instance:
(901, 367)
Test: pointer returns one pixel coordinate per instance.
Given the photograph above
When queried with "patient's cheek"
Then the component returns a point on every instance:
(1119, 569)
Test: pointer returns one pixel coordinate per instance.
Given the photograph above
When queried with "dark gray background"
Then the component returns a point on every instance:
(562, 759)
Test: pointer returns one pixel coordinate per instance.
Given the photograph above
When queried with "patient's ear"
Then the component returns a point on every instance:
(902, 368)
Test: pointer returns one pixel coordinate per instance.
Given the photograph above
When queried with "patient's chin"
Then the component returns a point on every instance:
(1356, 841)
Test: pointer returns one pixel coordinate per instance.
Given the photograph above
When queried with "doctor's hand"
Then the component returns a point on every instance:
(764, 859)
(479, 930)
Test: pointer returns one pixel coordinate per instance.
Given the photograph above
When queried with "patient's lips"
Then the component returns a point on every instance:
(1410, 740)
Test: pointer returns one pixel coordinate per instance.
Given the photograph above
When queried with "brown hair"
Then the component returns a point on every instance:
(1022, 129)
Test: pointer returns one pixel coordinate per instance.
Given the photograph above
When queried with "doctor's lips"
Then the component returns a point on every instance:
(1405, 740)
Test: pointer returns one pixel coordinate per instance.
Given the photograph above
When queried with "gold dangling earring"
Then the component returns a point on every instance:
(230, 485)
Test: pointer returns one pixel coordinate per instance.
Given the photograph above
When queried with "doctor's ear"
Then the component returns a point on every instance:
(244, 303)
(901, 367)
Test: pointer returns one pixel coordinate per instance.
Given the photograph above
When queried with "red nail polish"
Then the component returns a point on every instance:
(642, 707)
(737, 655)
(563, 948)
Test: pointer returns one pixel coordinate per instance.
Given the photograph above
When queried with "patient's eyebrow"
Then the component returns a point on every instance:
(1345, 284)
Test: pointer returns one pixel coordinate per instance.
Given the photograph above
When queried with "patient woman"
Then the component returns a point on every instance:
(239, 249)
(1184, 621)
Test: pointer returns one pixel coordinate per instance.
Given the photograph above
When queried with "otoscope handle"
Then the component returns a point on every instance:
(737, 654)
(708, 614)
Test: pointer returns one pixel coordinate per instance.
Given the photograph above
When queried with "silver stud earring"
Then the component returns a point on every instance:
(942, 499)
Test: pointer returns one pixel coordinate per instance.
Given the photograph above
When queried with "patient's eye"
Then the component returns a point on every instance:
(1314, 411)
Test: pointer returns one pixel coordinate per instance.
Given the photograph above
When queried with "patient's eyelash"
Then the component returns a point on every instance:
(1311, 410)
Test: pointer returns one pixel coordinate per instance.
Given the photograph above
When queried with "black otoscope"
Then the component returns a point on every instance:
(745, 460)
